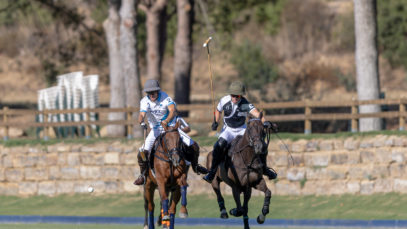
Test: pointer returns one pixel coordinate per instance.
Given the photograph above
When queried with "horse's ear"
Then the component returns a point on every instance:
(261, 115)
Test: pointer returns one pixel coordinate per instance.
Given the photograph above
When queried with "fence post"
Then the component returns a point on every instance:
(87, 126)
(5, 137)
(307, 122)
(45, 124)
(402, 111)
(354, 124)
(129, 123)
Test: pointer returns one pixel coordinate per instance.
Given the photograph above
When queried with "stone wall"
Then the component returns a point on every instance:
(321, 167)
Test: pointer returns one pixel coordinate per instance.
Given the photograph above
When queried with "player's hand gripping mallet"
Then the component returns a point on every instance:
(206, 44)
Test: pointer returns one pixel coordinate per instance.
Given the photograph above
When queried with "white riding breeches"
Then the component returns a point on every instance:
(154, 133)
(229, 133)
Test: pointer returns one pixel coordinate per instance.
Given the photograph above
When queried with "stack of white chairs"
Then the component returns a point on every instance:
(73, 91)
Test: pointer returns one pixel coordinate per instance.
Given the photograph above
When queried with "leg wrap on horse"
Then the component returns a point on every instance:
(266, 205)
(151, 220)
(165, 206)
(184, 195)
(172, 220)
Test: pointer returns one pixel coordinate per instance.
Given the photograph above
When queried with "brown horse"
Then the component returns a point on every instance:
(242, 171)
(167, 172)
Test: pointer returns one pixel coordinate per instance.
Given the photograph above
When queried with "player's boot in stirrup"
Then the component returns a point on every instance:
(270, 173)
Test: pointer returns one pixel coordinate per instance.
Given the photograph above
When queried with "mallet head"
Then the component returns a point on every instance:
(207, 42)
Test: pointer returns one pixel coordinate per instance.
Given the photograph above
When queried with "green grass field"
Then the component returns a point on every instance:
(379, 206)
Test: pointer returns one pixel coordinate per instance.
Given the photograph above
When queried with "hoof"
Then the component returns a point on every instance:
(159, 223)
(260, 219)
(145, 227)
(224, 214)
(235, 212)
(183, 215)
(166, 218)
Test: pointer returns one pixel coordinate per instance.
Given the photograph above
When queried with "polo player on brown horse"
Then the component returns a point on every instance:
(236, 108)
(167, 173)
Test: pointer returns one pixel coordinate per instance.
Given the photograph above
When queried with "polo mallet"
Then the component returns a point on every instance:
(206, 44)
(143, 156)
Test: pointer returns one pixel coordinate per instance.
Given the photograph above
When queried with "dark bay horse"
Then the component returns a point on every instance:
(242, 171)
(167, 172)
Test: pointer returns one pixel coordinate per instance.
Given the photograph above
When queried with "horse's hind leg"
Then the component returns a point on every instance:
(183, 212)
(221, 202)
(246, 197)
(145, 210)
(267, 196)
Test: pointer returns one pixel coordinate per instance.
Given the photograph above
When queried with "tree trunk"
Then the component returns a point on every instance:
(368, 85)
(129, 60)
(117, 90)
(183, 51)
(155, 40)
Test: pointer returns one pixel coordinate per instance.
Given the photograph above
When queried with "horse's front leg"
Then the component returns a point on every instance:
(176, 196)
(221, 202)
(267, 196)
(149, 198)
(164, 199)
(238, 211)
(246, 197)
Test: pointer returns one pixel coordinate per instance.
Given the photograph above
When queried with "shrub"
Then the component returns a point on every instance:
(252, 67)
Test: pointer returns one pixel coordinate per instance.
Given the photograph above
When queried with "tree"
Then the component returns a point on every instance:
(116, 76)
(366, 56)
(121, 30)
(129, 60)
(183, 51)
(155, 11)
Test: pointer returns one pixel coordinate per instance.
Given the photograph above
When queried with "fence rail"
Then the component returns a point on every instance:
(307, 117)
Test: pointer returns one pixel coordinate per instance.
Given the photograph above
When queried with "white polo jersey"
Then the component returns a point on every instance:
(234, 117)
(157, 111)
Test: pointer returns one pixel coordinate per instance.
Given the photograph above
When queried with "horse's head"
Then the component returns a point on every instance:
(255, 134)
(172, 142)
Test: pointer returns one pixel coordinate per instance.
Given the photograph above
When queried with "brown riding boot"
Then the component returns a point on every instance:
(143, 168)
(197, 168)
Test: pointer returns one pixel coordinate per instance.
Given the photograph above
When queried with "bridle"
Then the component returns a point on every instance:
(169, 152)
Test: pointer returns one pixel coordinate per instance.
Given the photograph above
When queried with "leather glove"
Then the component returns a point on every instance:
(214, 125)
(143, 125)
(270, 125)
